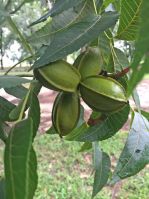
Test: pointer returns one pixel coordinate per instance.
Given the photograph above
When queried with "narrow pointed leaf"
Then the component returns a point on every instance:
(102, 166)
(61, 22)
(59, 7)
(107, 128)
(135, 155)
(5, 108)
(18, 91)
(12, 81)
(129, 19)
(34, 112)
(20, 162)
(85, 147)
(3, 135)
(18, 111)
(76, 36)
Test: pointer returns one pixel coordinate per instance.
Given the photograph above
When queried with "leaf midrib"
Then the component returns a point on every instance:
(129, 24)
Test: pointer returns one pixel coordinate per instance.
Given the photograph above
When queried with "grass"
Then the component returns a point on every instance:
(66, 174)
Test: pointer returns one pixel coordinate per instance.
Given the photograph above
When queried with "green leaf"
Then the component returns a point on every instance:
(18, 91)
(136, 77)
(120, 60)
(20, 162)
(129, 19)
(145, 114)
(51, 131)
(2, 188)
(61, 22)
(76, 133)
(102, 166)
(30, 100)
(106, 44)
(3, 135)
(12, 81)
(107, 128)
(18, 111)
(5, 108)
(59, 7)
(86, 146)
(34, 112)
(141, 49)
(134, 156)
(76, 36)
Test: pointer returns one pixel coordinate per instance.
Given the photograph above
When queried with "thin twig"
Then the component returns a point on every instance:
(17, 64)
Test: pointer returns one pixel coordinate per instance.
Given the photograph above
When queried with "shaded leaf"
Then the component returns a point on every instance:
(12, 81)
(76, 133)
(20, 162)
(76, 36)
(85, 147)
(51, 131)
(134, 156)
(60, 22)
(5, 108)
(3, 135)
(2, 188)
(18, 91)
(18, 111)
(129, 19)
(34, 112)
(59, 7)
(107, 128)
(102, 169)
(105, 43)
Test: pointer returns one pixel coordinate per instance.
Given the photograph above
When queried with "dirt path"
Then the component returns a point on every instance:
(46, 98)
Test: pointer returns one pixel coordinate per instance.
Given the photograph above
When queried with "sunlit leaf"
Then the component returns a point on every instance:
(129, 19)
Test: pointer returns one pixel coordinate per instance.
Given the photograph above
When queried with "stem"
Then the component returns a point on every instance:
(24, 104)
(119, 74)
(18, 8)
(1, 48)
(95, 7)
(17, 64)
